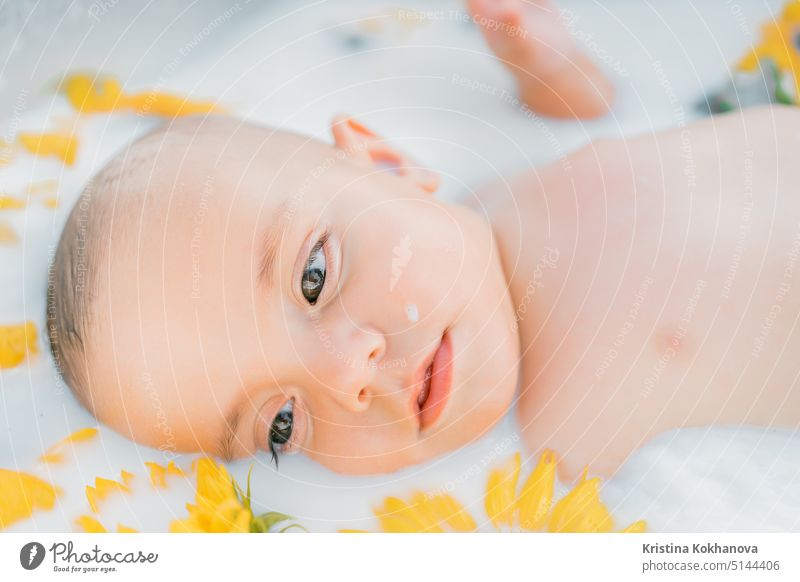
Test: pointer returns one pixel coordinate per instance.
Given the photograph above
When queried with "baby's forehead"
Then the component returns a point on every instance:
(188, 157)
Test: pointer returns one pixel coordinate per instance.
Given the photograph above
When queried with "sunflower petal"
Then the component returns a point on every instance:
(51, 458)
(92, 95)
(102, 489)
(90, 525)
(82, 435)
(54, 453)
(8, 236)
(11, 203)
(126, 478)
(537, 493)
(217, 506)
(158, 475)
(16, 341)
(636, 527)
(63, 147)
(501, 493)
(393, 517)
(397, 516)
(20, 494)
(166, 105)
(451, 512)
(104, 94)
(581, 510)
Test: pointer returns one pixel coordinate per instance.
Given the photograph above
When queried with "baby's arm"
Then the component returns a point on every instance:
(554, 77)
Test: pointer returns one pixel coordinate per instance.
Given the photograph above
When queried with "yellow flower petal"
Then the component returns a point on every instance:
(537, 493)
(164, 104)
(97, 95)
(54, 453)
(90, 524)
(596, 519)
(20, 494)
(93, 95)
(636, 527)
(397, 516)
(101, 490)
(429, 512)
(127, 478)
(452, 513)
(51, 202)
(580, 510)
(51, 458)
(791, 12)
(393, 517)
(106, 486)
(8, 236)
(501, 493)
(11, 203)
(778, 43)
(125, 529)
(16, 342)
(6, 152)
(42, 187)
(91, 497)
(64, 147)
(183, 526)
(217, 507)
(158, 475)
(82, 435)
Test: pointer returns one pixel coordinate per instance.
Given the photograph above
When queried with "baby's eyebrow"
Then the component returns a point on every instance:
(270, 244)
(225, 444)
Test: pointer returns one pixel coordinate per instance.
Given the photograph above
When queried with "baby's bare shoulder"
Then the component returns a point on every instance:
(773, 123)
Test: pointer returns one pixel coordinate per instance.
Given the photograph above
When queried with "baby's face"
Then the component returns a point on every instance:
(285, 298)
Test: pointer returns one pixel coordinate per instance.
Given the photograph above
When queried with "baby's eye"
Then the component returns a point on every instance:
(313, 279)
(280, 432)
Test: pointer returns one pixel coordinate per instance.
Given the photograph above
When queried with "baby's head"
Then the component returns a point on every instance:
(229, 288)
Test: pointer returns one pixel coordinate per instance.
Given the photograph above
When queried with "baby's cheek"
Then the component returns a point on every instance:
(359, 451)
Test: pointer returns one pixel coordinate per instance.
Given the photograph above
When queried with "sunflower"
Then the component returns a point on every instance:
(509, 507)
(217, 507)
(778, 44)
(222, 507)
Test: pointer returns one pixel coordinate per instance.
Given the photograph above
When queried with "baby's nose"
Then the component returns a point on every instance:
(352, 367)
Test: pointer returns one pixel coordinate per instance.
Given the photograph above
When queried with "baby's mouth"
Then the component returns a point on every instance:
(422, 397)
(436, 384)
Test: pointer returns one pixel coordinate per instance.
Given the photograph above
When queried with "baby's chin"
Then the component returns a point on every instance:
(472, 426)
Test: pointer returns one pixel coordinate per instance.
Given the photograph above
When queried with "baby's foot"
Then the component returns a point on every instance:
(554, 77)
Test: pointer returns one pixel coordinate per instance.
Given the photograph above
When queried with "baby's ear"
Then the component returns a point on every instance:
(359, 143)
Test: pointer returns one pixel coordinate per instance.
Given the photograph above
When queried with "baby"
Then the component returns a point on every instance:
(232, 289)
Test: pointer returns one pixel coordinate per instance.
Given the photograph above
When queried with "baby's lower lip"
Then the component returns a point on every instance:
(441, 384)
